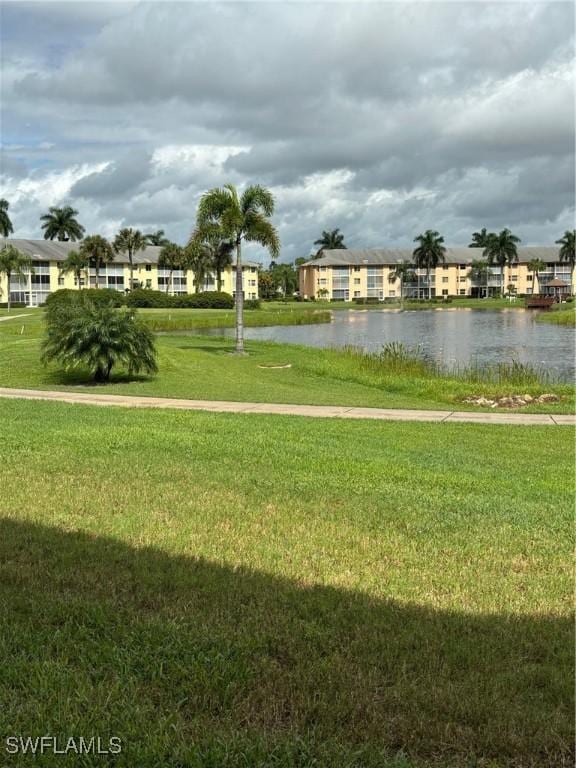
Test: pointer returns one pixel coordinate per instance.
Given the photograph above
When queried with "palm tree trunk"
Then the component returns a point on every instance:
(428, 281)
(219, 279)
(169, 283)
(239, 301)
(401, 293)
(131, 271)
(8, 290)
(97, 273)
(501, 281)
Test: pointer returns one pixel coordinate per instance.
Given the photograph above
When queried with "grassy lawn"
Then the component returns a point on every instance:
(229, 590)
(201, 367)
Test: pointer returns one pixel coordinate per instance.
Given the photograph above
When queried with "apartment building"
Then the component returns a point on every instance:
(46, 274)
(345, 275)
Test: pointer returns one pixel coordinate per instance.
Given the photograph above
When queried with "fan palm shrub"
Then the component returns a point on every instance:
(81, 333)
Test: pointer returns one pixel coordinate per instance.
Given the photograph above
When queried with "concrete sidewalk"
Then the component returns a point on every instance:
(316, 411)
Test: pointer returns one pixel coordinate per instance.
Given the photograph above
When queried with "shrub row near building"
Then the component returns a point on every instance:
(145, 298)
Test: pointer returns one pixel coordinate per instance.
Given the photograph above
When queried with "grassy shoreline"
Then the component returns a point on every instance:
(559, 316)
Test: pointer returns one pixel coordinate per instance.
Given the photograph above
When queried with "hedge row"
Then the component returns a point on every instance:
(144, 297)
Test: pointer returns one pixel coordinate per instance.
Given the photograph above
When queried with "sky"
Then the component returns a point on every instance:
(380, 118)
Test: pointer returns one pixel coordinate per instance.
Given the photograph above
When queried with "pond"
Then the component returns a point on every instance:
(449, 336)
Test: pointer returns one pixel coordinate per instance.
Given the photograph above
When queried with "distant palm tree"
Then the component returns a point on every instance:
(403, 271)
(240, 217)
(536, 266)
(98, 251)
(129, 241)
(429, 253)
(61, 224)
(6, 227)
(331, 240)
(220, 249)
(157, 238)
(171, 257)
(567, 252)
(199, 260)
(13, 263)
(501, 250)
(479, 270)
(480, 239)
(77, 263)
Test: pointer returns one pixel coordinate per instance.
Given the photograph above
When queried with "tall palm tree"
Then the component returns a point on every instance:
(479, 270)
(403, 271)
(480, 239)
(536, 266)
(98, 251)
(220, 248)
(76, 263)
(501, 250)
(172, 257)
(61, 224)
(241, 218)
(429, 253)
(331, 239)
(13, 263)
(6, 227)
(157, 238)
(199, 260)
(129, 241)
(567, 252)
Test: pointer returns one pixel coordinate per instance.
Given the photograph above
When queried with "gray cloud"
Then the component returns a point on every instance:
(377, 118)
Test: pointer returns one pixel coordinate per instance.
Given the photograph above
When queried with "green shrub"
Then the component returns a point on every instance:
(98, 296)
(82, 333)
(252, 304)
(146, 297)
(205, 300)
(13, 304)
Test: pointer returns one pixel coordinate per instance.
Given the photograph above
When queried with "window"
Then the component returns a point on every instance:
(356, 269)
(462, 292)
(445, 292)
(322, 281)
(60, 281)
(356, 294)
(462, 278)
(374, 283)
(529, 278)
(462, 266)
(148, 267)
(252, 283)
(444, 279)
(323, 269)
(444, 266)
(148, 283)
(392, 294)
(514, 278)
(356, 281)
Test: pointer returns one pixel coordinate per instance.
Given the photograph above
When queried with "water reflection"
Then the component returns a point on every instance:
(450, 336)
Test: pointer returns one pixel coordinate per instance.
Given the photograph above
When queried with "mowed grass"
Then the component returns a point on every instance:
(202, 367)
(233, 590)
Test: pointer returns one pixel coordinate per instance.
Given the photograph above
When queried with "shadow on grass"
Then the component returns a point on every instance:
(83, 378)
(195, 664)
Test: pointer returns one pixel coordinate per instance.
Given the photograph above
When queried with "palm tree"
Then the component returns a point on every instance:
(199, 260)
(480, 239)
(171, 257)
(129, 241)
(567, 252)
(98, 252)
(536, 266)
(285, 277)
(220, 249)
(157, 238)
(479, 270)
(99, 337)
(77, 263)
(61, 224)
(429, 253)
(403, 271)
(13, 263)
(244, 217)
(501, 249)
(330, 240)
(6, 227)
